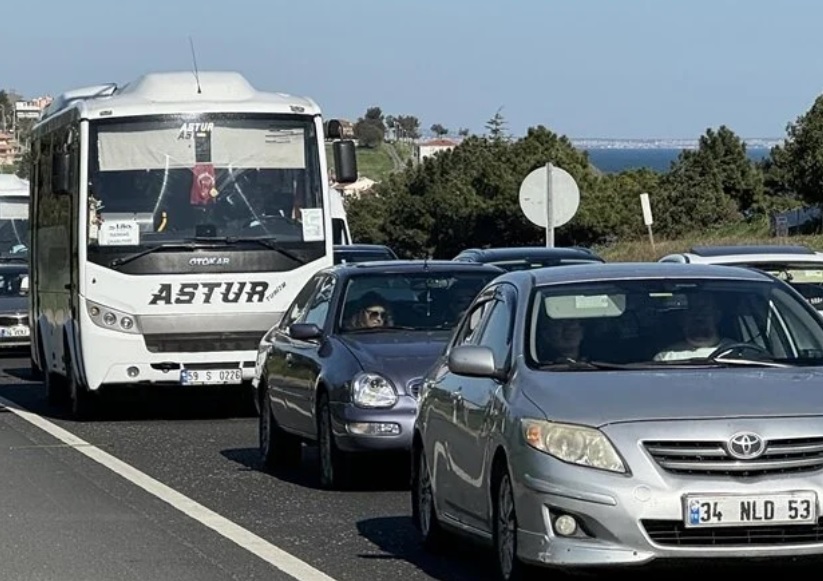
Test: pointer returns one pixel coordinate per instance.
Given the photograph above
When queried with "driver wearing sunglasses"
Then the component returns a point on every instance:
(374, 312)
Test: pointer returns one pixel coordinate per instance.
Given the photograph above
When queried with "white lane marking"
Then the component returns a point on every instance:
(260, 547)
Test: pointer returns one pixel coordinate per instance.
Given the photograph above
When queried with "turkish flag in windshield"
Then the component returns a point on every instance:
(203, 187)
(203, 190)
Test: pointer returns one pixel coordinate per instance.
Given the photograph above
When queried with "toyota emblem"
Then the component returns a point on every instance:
(746, 446)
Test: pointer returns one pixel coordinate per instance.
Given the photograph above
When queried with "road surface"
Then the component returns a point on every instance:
(166, 489)
(66, 501)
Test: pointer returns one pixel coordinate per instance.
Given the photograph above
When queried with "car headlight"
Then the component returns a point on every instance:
(111, 318)
(573, 444)
(372, 390)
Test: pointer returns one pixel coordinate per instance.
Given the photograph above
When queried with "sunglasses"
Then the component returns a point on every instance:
(376, 313)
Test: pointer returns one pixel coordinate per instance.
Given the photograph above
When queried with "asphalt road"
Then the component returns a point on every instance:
(208, 452)
(65, 516)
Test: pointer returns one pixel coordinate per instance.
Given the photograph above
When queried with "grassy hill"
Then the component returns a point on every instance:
(376, 163)
(738, 234)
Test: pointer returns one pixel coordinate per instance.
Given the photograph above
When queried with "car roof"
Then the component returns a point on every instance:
(750, 249)
(515, 252)
(405, 266)
(632, 270)
(360, 247)
(752, 255)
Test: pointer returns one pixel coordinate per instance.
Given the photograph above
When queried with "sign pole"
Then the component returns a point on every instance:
(549, 208)
(648, 220)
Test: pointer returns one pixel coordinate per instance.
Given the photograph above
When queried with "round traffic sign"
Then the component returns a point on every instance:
(565, 196)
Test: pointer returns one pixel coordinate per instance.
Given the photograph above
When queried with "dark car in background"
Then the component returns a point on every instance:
(344, 365)
(528, 257)
(362, 253)
(14, 302)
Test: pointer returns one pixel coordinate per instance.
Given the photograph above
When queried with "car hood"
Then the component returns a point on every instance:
(14, 305)
(597, 398)
(399, 355)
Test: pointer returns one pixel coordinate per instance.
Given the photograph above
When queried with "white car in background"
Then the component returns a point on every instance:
(800, 266)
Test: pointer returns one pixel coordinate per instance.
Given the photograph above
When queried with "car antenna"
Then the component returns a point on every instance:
(194, 61)
(426, 262)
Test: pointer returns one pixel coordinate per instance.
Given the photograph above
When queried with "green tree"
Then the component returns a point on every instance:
(439, 130)
(409, 126)
(496, 126)
(6, 111)
(370, 130)
(797, 167)
(720, 163)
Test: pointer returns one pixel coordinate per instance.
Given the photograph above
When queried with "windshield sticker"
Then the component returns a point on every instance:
(119, 233)
(312, 220)
(592, 302)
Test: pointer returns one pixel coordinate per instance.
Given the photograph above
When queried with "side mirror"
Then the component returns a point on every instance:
(305, 331)
(473, 361)
(338, 129)
(61, 178)
(345, 161)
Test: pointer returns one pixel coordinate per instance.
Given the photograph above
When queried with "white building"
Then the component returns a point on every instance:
(429, 148)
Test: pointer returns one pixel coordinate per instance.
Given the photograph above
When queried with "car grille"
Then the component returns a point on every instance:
(12, 320)
(674, 533)
(202, 342)
(711, 457)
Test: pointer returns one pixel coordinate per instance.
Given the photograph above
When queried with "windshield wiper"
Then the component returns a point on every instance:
(384, 328)
(714, 361)
(270, 244)
(747, 362)
(160, 247)
(582, 365)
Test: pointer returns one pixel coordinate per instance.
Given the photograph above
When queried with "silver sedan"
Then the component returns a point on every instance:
(618, 414)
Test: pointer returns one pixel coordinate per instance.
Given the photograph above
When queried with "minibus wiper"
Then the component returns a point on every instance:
(190, 246)
(270, 244)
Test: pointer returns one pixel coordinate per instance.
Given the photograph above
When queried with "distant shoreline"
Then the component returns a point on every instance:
(665, 143)
(617, 159)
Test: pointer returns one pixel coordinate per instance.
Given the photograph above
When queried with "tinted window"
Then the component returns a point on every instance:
(496, 332)
(807, 279)
(299, 305)
(343, 256)
(470, 325)
(419, 300)
(14, 283)
(319, 307)
(672, 321)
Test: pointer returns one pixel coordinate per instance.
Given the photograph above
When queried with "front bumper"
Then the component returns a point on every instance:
(354, 427)
(121, 359)
(15, 336)
(14, 342)
(638, 519)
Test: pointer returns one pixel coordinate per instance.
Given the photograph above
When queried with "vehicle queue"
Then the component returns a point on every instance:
(569, 412)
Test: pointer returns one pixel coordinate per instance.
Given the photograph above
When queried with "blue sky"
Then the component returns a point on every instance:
(584, 68)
